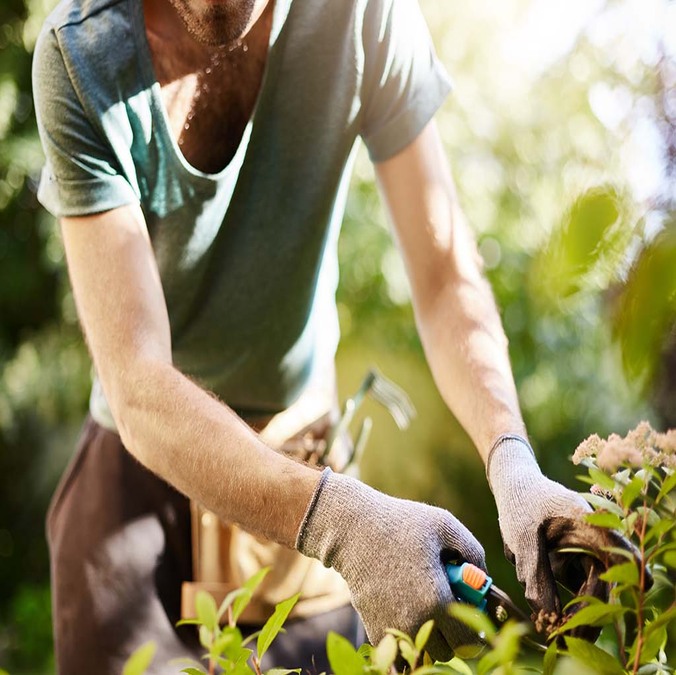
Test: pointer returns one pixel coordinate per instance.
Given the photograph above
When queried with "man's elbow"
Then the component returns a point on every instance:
(134, 397)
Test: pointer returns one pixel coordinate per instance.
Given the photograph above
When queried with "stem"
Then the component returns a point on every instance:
(641, 591)
(256, 665)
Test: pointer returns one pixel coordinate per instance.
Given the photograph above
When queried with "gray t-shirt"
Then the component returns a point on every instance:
(247, 256)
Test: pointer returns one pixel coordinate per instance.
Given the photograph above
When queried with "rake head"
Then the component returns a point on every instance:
(392, 397)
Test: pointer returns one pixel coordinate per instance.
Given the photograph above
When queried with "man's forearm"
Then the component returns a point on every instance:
(457, 318)
(202, 448)
(467, 351)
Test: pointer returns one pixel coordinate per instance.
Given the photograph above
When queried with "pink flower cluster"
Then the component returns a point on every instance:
(642, 445)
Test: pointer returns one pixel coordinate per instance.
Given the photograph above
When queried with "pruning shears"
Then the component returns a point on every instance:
(472, 585)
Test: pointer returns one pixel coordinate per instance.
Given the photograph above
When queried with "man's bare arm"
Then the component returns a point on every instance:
(171, 425)
(456, 314)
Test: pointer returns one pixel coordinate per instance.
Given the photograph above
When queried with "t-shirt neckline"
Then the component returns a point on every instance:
(151, 85)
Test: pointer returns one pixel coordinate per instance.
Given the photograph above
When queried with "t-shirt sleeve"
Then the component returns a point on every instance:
(81, 173)
(404, 82)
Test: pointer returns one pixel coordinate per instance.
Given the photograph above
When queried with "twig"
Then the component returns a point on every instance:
(641, 591)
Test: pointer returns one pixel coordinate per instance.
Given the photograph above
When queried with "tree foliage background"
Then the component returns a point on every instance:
(561, 134)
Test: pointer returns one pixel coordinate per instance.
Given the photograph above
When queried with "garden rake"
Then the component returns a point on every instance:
(384, 391)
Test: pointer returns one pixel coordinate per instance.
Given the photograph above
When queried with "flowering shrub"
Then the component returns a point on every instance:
(640, 447)
(633, 491)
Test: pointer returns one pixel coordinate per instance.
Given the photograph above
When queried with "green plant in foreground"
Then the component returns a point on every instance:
(633, 491)
(226, 648)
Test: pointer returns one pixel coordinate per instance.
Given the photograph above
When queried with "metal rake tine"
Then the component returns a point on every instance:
(349, 409)
(394, 398)
(366, 386)
(362, 439)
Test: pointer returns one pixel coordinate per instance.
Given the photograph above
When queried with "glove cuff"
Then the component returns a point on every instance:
(338, 504)
(509, 456)
(303, 529)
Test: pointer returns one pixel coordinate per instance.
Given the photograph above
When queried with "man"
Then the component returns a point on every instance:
(198, 154)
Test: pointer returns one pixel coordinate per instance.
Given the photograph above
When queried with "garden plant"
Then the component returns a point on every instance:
(633, 491)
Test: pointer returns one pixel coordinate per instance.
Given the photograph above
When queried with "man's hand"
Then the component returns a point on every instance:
(390, 552)
(538, 518)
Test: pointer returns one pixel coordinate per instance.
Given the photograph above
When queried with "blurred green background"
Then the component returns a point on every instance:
(561, 134)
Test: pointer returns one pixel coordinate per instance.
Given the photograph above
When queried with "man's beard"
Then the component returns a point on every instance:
(215, 25)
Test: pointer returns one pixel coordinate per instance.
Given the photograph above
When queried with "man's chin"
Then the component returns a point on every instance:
(213, 23)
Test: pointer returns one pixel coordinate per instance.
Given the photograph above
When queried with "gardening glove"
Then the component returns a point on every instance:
(538, 517)
(391, 552)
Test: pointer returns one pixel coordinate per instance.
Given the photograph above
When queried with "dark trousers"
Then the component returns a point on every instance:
(120, 548)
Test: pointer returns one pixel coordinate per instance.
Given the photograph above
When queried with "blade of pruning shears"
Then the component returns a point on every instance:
(472, 585)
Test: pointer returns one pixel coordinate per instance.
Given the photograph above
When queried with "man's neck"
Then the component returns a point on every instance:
(164, 24)
(209, 91)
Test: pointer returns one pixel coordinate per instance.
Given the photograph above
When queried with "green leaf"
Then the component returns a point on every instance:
(239, 663)
(652, 643)
(630, 523)
(619, 551)
(205, 607)
(601, 478)
(384, 653)
(409, 653)
(228, 643)
(423, 635)
(138, 662)
(624, 573)
(228, 600)
(631, 491)
(663, 619)
(365, 650)
(505, 645)
(458, 664)
(238, 669)
(589, 234)
(604, 519)
(652, 518)
(668, 485)
(587, 599)
(187, 622)
(593, 657)
(593, 615)
(343, 657)
(455, 665)
(603, 504)
(206, 637)
(400, 635)
(193, 671)
(549, 660)
(488, 663)
(250, 638)
(274, 624)
(249, 588)
(659, 530)
(474, 618)
(282, 671)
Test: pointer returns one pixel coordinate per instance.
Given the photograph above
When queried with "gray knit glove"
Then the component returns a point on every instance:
(538, 517)
(390, 553)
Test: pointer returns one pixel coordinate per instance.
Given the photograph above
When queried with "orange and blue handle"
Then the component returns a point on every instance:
(469, 583)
